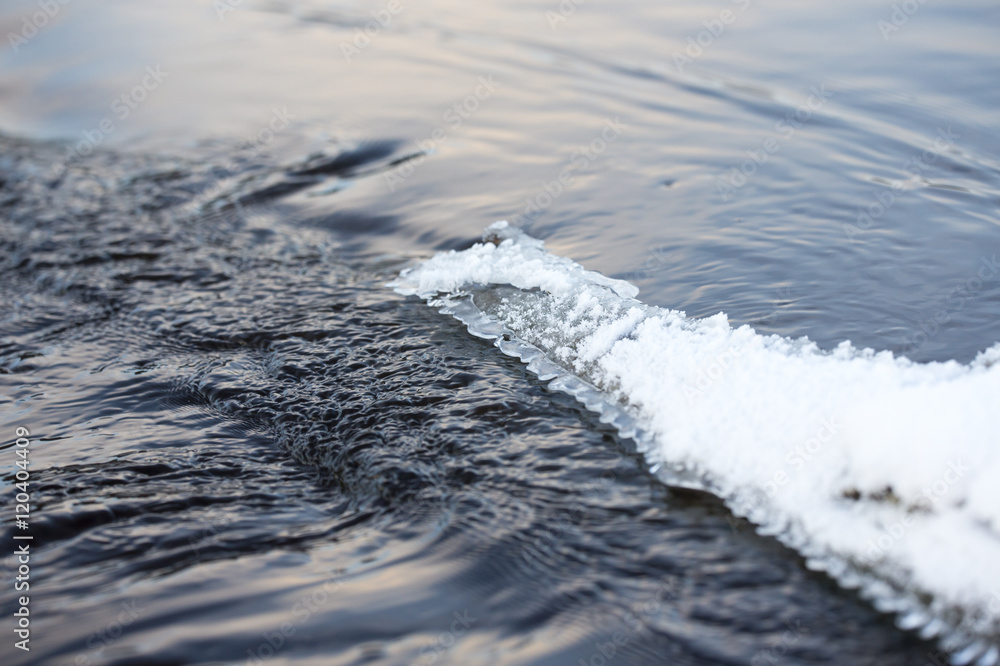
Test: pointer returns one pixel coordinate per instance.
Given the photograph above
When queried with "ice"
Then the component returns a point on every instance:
(883, 472)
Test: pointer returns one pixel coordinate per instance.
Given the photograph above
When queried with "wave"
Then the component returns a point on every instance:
(878, 470)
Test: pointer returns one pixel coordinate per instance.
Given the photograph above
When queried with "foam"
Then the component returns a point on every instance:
(881, 471)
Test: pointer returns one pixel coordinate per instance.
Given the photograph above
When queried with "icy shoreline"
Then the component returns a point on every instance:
(878, 470)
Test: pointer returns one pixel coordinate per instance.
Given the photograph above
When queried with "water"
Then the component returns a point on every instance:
(879, 470)
(244, 437)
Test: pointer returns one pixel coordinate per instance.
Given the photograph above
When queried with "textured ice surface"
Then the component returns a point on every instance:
(884, 472)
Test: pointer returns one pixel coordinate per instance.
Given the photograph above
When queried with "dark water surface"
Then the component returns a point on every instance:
(249, 443)
(246, 447)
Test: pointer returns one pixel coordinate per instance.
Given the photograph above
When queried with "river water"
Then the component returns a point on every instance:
(246, 447)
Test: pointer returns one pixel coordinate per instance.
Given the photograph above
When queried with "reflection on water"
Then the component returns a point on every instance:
(248, 448)
(823, 169)
(767, 147)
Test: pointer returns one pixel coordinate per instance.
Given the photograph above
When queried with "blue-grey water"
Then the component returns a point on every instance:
(245, 448)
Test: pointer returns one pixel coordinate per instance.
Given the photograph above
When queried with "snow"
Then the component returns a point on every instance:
(876, 468)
